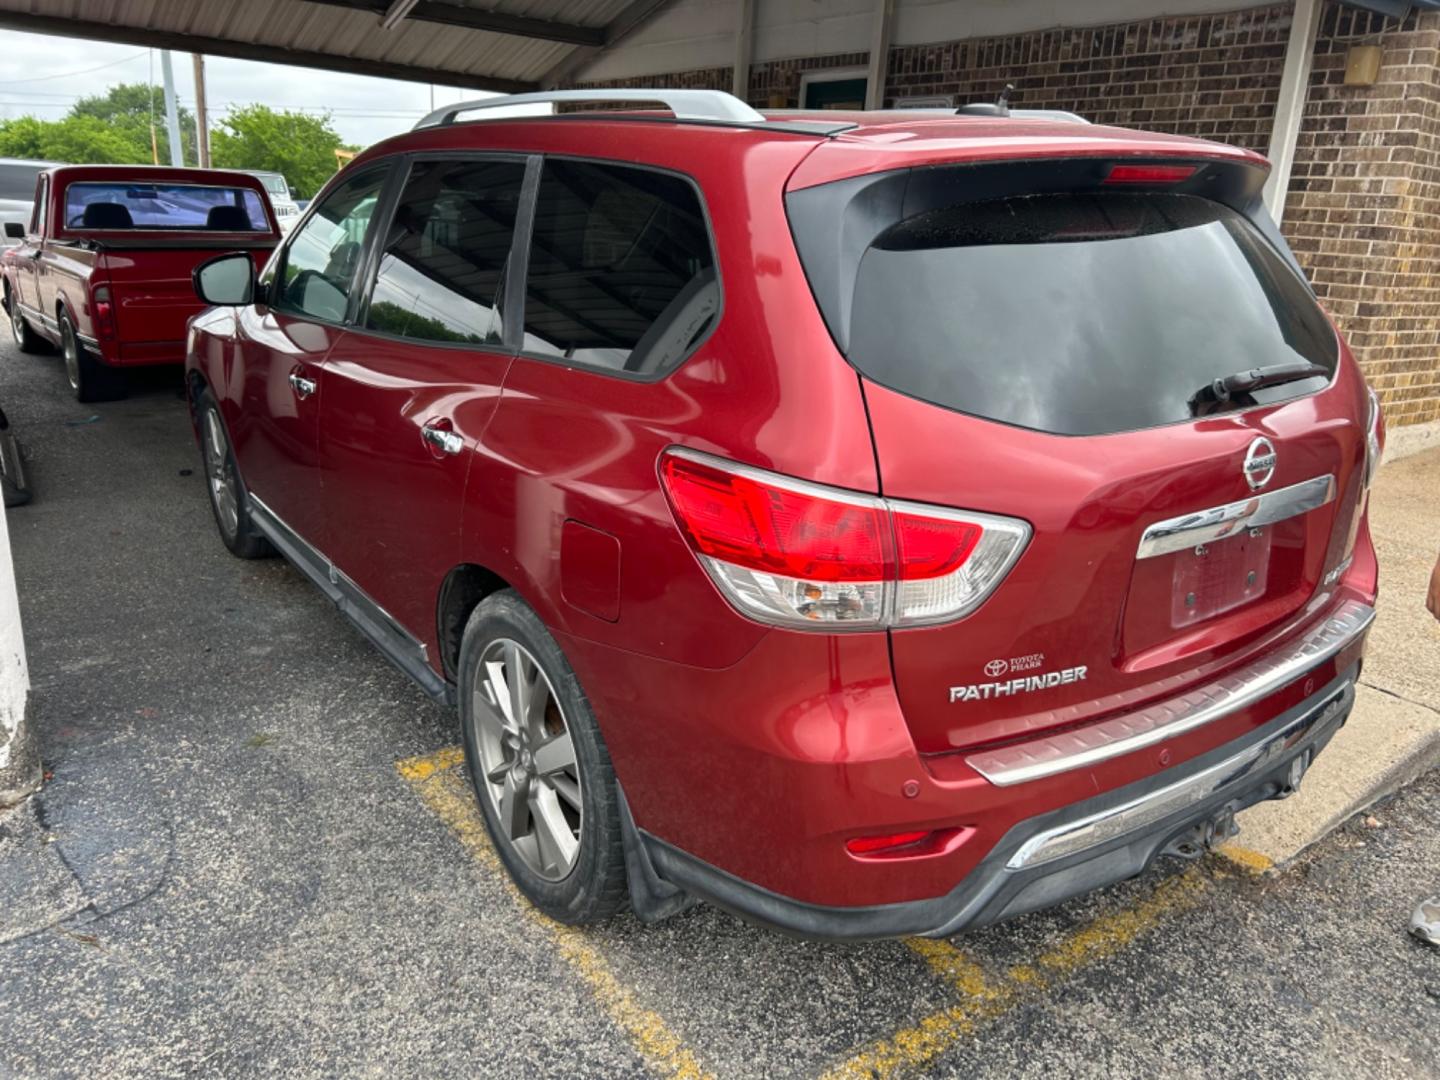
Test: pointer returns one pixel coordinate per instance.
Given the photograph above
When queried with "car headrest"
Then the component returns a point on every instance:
(106, 215)
(228, 219)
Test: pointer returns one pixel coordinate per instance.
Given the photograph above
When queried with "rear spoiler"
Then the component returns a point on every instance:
(834, 223)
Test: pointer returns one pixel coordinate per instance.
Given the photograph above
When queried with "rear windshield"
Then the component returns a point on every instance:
(1080, 313)
(193, 207)
(17, 182)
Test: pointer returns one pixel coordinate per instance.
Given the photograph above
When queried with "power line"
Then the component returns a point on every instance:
(82, 71)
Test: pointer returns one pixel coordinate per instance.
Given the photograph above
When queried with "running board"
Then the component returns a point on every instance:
(395, 643)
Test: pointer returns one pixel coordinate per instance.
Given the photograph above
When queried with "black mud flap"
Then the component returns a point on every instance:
(651, 897)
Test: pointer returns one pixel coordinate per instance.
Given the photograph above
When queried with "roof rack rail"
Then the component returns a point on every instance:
(712, 105)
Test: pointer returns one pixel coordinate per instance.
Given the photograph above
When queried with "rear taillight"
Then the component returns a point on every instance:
(791, 553)
(103, 311)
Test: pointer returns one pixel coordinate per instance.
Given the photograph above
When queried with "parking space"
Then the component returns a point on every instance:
(257, 854)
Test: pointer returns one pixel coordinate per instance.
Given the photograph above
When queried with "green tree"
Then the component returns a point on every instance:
(296, 144)
(79, 140)
(113, 127)
(129, 107)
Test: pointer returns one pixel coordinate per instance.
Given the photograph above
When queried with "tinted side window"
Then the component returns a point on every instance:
(446, 251)
(621, 273)
(320, 263)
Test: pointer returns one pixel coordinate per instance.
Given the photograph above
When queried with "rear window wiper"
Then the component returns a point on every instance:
(1221, 390)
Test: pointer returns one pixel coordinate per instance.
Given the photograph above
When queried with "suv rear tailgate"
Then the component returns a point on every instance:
(1043, 341)
(1084, 625)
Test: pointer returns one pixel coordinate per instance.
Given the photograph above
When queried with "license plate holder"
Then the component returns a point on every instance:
(1218, 577)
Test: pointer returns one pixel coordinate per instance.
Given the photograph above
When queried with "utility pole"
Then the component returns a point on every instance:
(202, 125)
(172, 114)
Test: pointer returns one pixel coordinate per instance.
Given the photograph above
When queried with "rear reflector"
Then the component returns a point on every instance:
(871, 845)
(1149, 174)
(790, 553)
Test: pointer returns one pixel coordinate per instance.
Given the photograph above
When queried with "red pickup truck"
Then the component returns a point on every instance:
(103, 268)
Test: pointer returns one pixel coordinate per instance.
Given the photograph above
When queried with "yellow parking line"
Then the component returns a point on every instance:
(911, 1048)
(450, 798)
(1112, 932)
(1252, 862)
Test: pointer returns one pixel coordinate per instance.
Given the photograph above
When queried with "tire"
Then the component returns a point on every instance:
(575, 792)
(90, 380)
(26, 340)
(229, 501)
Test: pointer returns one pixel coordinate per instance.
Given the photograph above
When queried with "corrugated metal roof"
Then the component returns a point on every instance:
(330, 33)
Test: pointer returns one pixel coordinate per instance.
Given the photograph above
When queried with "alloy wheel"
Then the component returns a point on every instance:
(527, 758)
(220, 475)
(71, 348)
(17, 322)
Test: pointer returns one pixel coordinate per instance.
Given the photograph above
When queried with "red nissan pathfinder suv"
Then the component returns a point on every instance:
(874, 524)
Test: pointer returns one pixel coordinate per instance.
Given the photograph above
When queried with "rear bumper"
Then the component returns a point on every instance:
(1054, 856)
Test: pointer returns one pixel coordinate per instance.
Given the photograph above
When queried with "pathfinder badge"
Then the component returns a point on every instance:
(1023, 684)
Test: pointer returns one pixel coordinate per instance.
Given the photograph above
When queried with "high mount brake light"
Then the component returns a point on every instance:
(1149, 174)
(791, 553)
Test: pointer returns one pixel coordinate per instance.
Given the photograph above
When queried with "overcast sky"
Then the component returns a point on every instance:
(53, 72)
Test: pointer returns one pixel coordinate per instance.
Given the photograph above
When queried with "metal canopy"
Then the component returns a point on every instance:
(457, 42)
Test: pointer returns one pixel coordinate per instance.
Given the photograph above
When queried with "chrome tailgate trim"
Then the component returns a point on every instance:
(1064, 751)
(1218, 522)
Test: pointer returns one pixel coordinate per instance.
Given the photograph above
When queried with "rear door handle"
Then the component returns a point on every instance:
(447, 442)
(302, 386)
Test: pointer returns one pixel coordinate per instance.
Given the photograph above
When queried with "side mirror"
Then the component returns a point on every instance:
(227, 280)
(293, 193)
(14, 230)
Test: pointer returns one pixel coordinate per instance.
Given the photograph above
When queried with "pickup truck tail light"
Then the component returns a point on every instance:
(103, 311)
(790, 553)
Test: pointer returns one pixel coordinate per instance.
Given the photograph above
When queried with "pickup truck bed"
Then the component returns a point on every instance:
(110, 285)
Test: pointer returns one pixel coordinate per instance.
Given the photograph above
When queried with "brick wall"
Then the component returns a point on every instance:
(1364, 209)
(1363, 214)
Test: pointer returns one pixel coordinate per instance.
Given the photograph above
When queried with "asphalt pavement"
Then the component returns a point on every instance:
(255, 856)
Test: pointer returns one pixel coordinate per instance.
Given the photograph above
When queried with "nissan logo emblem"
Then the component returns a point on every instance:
(1259, 464)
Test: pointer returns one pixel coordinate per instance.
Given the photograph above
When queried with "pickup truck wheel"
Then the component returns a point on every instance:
(90, 379)
(539, 765)
(229, 501)
(26, 340)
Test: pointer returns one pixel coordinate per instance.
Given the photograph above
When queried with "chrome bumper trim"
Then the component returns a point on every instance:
(1107, 825)
(1022, 762)
(1218, 522)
